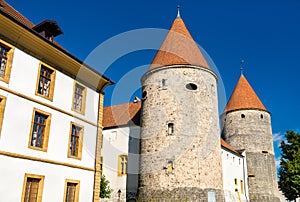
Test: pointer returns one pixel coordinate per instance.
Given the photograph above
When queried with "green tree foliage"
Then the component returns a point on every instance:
(105, 190)
(289, 171)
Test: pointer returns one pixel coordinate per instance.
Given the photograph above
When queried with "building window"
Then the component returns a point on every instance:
(45, 85)
(170, 128)
(235, 181)
(71, 191)
(6, 56)
(164, 83)
(2, 107)
(101, 164)
(122, 165)
(33, 188)
(170, 166)
(242, 187)
(75, 142)
(39, 130)
(79, 98)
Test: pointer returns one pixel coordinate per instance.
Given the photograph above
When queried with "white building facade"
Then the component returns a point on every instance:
(51, 117)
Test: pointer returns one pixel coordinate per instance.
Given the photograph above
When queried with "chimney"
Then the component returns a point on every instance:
(48, 29)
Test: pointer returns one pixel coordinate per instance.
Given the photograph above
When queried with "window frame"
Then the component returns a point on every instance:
(79, 155)
(46, 132)
(82, 110)
(2, 110)
(40, 187)
(8, 65)
(120, 165)
(52, 82)
(77, 190)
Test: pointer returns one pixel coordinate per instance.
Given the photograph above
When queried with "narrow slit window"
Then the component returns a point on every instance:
(164, 83)
(170, 128)
(170, 166)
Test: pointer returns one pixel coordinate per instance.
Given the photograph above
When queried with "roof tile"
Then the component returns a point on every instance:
(178, 48)
(244, 97)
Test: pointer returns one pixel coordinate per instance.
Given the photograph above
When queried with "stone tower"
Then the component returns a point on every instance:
(180, 142)
(247, 126)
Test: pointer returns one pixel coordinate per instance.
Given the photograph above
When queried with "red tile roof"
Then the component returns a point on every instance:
(8, 9)
(227, 146)
(178, 48)
(123, 114)
(244, 97)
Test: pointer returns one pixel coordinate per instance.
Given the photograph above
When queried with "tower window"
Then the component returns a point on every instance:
(235, 181)
(261, 116)
(164, 83)
(144, 95)
(170, 128)
(170, 166)
(191, 86)
(243, 116)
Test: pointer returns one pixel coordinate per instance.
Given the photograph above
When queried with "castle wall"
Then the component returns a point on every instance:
(251, 130)
(185, 164)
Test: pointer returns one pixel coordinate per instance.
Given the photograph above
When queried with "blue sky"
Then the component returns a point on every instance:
(263, 33)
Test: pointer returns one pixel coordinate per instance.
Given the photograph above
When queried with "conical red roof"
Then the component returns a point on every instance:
(178, 48)
(244, 97)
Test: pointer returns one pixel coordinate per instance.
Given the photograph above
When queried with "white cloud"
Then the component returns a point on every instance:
(277, 138)
(278, 163)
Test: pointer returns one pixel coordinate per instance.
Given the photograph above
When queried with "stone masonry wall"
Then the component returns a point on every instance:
(251, 130)
(193, 148)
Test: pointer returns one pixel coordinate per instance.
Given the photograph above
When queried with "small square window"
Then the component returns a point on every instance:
(46, 79)
(75, 142)
(79, 98)
(6, 57)
(39, 130)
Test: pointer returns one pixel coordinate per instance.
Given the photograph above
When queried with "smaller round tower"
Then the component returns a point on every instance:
(247, 126)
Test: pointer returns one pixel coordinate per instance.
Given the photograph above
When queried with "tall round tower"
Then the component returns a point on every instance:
(247, 126)
(180, 142)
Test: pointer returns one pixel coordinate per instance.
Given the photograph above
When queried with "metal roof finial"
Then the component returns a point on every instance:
(242, 68)
(178, 11)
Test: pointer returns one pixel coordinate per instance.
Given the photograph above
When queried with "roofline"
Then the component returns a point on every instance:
(179, 66)
(120, 126)
(226, 112)
(233, 152)
(110, 82)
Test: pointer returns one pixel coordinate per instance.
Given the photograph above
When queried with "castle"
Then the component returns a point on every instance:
(165, 148)
(181, 156)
